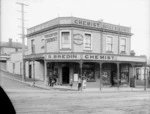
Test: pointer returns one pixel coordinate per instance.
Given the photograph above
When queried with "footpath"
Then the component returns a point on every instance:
(40, 84)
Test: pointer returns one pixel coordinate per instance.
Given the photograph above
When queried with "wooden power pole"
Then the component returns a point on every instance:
(23, 38)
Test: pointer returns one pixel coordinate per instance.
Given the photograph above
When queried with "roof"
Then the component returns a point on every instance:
(78, 22)
(11, 45)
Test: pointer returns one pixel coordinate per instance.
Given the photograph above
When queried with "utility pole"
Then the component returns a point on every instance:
(23, 38)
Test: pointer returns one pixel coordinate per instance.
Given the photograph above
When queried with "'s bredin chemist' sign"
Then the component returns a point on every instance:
(99, 57)
(79, 57)
(63, 56)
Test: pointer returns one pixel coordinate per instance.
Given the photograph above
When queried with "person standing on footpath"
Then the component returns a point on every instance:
(84, 82)
(79, 84)
(71, 83)
(55, 75)
(50, 78)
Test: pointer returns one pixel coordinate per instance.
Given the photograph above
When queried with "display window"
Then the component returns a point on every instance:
(106, 77)
(124, 74)
(89, 72)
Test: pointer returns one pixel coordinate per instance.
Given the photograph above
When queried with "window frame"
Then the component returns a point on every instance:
(124, 46)
(32, 45)
(69, 46)
(43, 43)
(84, 48)
(110, 44)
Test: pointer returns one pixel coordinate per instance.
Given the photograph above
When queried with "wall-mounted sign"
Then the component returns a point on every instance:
(98, 57)
(98, 24)
(75, 77)
(51, 37)
(78, 39)
(79, 57)
(63, 56)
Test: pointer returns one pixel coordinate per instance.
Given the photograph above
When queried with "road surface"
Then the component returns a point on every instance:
(31, 100)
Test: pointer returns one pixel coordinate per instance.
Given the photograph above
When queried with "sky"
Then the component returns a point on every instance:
(130, 13)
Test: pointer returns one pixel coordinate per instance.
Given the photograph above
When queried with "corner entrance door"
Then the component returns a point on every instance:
(65, 75)
(30, 71)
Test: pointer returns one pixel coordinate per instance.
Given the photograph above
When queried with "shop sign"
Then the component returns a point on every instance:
(98, 24)
(98, 57)
(63, 56)
(78, 39)
(51, 37)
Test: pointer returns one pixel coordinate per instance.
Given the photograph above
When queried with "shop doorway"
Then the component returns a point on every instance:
(113, 74)
(30, 71)
(65, 75)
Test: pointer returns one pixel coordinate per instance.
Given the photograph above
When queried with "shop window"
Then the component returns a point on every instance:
(138, 73)
(65, 40)
(87, 41)
(43, 43)
(123, 45)
(109, 44)
(32, 46)
(89, 72)
(124, 74)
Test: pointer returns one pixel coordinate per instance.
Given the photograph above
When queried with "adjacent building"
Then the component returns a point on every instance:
(7, 48)
(75, 47)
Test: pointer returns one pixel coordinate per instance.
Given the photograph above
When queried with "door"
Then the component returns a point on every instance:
(30, 71)
(65, 75)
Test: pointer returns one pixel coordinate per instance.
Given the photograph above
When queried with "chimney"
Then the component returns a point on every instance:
(10, 42)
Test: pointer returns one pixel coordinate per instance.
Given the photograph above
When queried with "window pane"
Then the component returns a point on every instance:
(122, 48)
(87, 41)
(109, 40)
(123, 45)
(65, 40)
(109, 43)
(123, 41)
(65, 37)
(32, 46)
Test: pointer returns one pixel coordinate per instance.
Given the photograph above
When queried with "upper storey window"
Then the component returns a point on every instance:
(109, 44)
(32, 46)
(65, 40)
(43, 43)
(123, 45)
(87, 41)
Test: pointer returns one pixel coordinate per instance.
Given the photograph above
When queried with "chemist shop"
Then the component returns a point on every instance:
(74, 47)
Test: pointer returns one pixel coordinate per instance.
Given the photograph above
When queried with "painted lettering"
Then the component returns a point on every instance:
(101, 57)
(98, 24)
(87, 56)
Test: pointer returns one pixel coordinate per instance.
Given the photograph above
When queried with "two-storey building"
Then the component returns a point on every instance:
(75, 47)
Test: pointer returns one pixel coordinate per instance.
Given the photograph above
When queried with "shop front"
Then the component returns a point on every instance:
(98, 69)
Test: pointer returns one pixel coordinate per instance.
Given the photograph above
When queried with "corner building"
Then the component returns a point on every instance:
(75, 47)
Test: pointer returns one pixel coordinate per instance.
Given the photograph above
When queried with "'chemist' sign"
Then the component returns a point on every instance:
(98, 57)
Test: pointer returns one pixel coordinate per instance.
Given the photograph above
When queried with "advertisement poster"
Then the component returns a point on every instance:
(75, 77)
